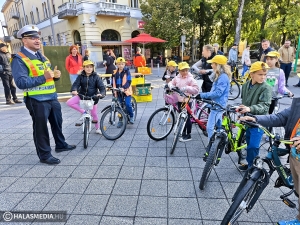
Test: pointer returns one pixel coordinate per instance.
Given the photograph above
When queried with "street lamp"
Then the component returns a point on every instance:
(183, 39)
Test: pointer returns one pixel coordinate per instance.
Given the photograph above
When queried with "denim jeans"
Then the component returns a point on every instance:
(214, 119)
(73, 77)
(253, 138)
(127, 103)
(286, 67)
(245, 68)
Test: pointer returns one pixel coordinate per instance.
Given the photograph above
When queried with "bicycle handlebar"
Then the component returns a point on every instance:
(282, 96)
(88, 97)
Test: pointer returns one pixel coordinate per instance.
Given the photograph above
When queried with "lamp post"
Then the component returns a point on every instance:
(183, 38)
(51, 22)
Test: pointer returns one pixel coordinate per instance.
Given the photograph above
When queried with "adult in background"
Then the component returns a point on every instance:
(32, 73)
(217, 51)
(86, 55)
(287, 57)
(246, 59)
(109, 62)
(139, 59)
(233, 55)
(6, 76)
(74, 63)
(206, 70)
(265, 45)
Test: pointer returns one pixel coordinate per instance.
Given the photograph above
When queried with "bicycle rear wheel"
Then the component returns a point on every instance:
(113, 123)
(178, 132)
(86, 131)
(134, 107)
(234, 90)
(241, 202)
(211, 161)
(160, 124)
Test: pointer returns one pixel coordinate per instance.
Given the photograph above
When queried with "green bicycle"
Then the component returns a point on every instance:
(231, 138)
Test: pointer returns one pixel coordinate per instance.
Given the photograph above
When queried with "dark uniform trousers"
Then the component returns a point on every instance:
(41, 112)
(9, 86)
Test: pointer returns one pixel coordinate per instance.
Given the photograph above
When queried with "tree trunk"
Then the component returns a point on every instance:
(239, 22)
(264, 19)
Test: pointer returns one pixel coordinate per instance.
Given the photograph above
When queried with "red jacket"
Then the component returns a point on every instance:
(72, 66)
(139, 60)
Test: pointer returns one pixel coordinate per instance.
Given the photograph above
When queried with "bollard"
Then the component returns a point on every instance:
(158, 75)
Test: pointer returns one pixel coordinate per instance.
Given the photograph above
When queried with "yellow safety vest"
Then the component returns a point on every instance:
(36, 68)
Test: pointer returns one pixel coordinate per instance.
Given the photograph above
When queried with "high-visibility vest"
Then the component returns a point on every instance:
(36, 68)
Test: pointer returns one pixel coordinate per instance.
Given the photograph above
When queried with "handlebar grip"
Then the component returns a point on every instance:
(251, 124)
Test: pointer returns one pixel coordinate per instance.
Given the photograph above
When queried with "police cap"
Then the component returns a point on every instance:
(28, 31)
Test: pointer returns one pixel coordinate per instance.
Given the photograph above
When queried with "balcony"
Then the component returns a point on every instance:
(112, 9)
(67, 10)
(15, 34)
(15, 15)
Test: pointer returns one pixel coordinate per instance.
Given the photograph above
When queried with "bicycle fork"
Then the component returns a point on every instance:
(224, 143)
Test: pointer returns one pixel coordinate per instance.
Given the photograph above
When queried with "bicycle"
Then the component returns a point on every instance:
(224, 138)
(237, 81)
(257, 178)
(183, 116)
(87, 104)
(162, 120)
(115, 117)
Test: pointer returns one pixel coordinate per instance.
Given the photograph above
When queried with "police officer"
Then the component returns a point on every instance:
(32, 73)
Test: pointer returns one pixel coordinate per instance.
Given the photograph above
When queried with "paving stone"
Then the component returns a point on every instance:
(157, 151)
(179, 174)
(11, 159)
(211, 190)
(150, 221)
(108, 172)
(134, 161)
(84, 171)
(118, 151)
(94, 160)
(155, 173)
(5, 182)
(156, 161)
(113, 160)
(71, 160)
(219, 207)
(183, 208)
(121, 206)
(178, 162)
(64, 202)
(91, 204)
(127, 187)
(149, 206)
(9, 200)
(39, 171)
(33, 202)
(185, 221)
(49, 185)
(24, 185)
(83, 219)
(154, 188)
(108, 220)
(137, 152)
(181, 189)
(139, 144)
(100, 186)
(75, 186)
(16, 170)
(130, 172)
(62, 171)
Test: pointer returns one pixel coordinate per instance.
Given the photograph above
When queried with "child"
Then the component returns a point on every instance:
(186, 83)
(275, 78)
(122, 79)
(219, 93)
(88, 83)
(170, 72)
(256, 99)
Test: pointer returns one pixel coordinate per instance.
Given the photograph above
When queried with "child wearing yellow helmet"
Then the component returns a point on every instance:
(88, 83)
(122, 79)
(170, 72)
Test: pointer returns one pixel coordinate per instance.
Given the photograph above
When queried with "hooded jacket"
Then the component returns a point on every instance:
(89, 85)
(72, 66)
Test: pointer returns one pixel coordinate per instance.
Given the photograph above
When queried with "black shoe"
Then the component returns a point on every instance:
(185, 138)
(51, 160)
(296, 85)
(17, 101)
(243, 168)
(10, 102)
(67, 148)
(287, 85)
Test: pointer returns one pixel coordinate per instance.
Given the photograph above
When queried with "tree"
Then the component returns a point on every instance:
(239, 21)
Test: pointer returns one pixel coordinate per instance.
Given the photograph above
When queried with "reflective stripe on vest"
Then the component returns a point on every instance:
(36, 68)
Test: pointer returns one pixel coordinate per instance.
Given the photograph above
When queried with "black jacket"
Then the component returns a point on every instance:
(89, 85)
(207, 83)
(265, 52)
(4, 62)
(110, 66)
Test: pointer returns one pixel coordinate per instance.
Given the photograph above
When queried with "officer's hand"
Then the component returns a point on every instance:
(74, 93)
(56, 72)
(48, 74)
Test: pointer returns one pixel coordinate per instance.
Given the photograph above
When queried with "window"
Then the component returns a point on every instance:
(32, 17)
(112, 1)
(38, 15)
(134, 3)
(58, 39)
(44, 5)
(50, 40)
(26, 19)
(54, 9)
(77, 38)
(110, 35)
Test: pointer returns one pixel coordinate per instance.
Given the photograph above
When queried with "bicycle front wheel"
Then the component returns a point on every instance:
(160, 124)
(113, 123)
(241, 202)
(234, 90)
(211, 161)
(178, 132)
(86, 131)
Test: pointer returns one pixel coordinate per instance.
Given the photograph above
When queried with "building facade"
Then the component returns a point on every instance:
(96, 25)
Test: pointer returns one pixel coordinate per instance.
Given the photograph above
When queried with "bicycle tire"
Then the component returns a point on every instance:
(211, 158)
(109, 128)
(152, 131)
(248, 191)
(86, 132)
(242, 153)
(179, 129)
(134, 107)
(234, 91)
(204, 113)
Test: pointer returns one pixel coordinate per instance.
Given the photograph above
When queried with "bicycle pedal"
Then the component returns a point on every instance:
(289, 203)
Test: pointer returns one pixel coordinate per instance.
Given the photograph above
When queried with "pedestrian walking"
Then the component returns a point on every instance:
(32, 73)
(287, 57)
(109, 63)
(246, 60)
(6, 77)
(233, 55)
(74, 63)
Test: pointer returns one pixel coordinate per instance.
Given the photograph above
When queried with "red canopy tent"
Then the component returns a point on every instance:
(144, 39)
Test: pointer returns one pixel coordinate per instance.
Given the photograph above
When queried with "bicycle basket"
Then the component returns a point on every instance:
(86, 104)
(171, 98)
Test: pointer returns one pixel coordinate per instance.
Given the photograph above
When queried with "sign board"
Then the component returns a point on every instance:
(126, 52)
(140, 24)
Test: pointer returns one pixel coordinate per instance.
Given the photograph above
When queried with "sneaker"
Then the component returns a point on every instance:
(131, 120)
(98, 131)
(185, 138)
(291, 222)
(10, 102)
(120, 124)
(17, 101)
(243, 167)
